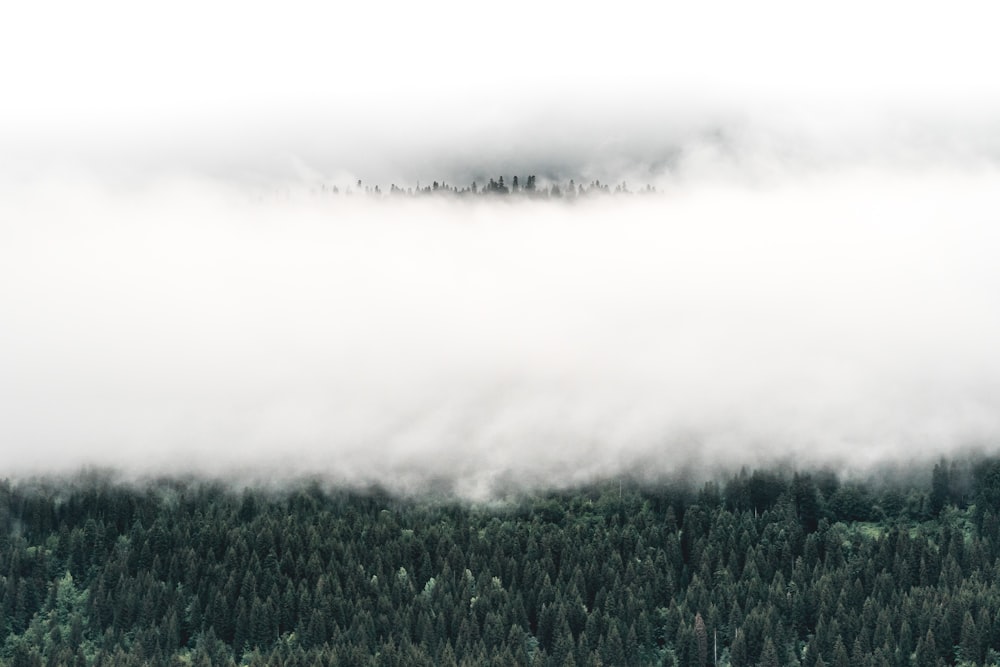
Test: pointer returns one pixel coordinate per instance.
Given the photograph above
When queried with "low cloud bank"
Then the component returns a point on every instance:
(182, 327)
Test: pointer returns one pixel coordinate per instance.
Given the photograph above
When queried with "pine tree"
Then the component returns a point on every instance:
(769, 656)
(927, 651)
(738, 651)
(840, 658)
(701, 637)
(970, 640)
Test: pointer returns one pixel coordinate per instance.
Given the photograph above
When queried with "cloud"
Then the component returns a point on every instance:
(186, 327)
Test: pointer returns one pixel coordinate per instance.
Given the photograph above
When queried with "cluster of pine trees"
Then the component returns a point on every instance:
(769, 568)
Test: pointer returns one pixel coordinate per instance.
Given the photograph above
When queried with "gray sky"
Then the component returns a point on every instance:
(816, 280)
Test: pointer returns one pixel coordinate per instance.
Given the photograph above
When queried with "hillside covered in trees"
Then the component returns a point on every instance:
(765, 568)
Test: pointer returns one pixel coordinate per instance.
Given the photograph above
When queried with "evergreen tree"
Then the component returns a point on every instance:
(701, 636)
(769, 655)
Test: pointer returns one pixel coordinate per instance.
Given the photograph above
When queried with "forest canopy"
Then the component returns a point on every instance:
(769, 567)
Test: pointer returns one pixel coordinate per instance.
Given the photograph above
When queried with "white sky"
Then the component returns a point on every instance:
(189, 83)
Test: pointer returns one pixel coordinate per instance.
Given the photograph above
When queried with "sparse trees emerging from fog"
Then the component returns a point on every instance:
(494, 187)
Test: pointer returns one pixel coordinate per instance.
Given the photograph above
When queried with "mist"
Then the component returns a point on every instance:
(444, 91)
(185, 326)
(813, 283)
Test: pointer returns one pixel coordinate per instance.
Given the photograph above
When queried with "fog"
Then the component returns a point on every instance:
(845, 319)
(401, 92)
(814, 282)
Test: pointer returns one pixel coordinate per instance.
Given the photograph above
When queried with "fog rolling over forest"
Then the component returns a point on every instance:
(843, 318)
(238, 241)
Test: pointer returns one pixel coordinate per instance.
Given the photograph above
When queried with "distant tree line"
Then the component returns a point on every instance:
(766, 568)
(527, 188)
